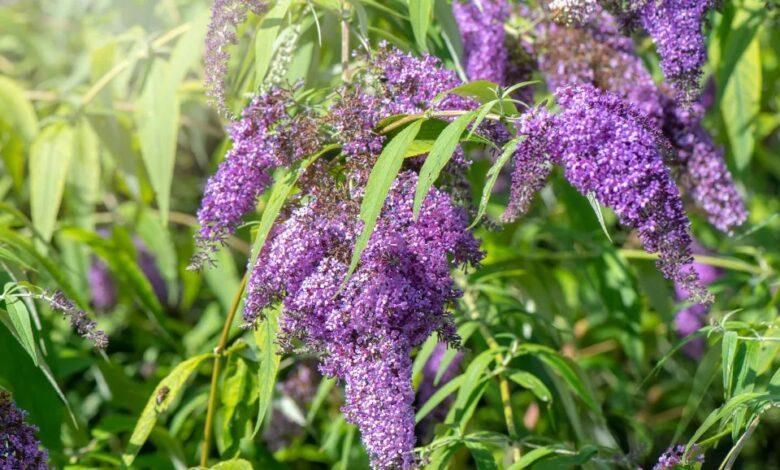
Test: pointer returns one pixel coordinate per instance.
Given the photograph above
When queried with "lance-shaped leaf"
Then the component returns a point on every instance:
(174, 384)
(379, 182)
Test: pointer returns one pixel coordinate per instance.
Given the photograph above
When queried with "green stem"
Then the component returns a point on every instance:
(223, 339)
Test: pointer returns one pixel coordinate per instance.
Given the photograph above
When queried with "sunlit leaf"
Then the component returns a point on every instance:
(174, 384)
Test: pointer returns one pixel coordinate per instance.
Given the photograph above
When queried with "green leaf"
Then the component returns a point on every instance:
(17, 110)
(531, 457)
(379, 181)
(174, 382)
(84, 179)
(594, 204)
(492, 176)
(157, 118)
(729, 348)
(20, 318)
(232, 394)
(236, 464)
(279, 192)
(266, 36)
(440, 155)
(420, 16)
(265, 339)
(532, 383)
(482, 455)
(50, 157)
(189, 48)
(741, 103)
(567, 369)
(483, 91)
(441, 394)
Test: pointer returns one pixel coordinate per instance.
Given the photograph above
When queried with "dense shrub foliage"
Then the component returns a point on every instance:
(389, 234)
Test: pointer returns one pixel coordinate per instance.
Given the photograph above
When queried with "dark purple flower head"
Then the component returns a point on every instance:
(481, 25)
(226, 15)
(19, 448)
(396, 298)
(676, 29)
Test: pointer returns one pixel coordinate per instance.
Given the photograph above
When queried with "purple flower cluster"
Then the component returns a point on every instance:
(429, 386)
(396, 298)
(676, 456)
(19, 448)
(676, 29)
(262, 140)
(481, 25)
(226, 15)
(598, 54)
(81, 324)
(608, 150)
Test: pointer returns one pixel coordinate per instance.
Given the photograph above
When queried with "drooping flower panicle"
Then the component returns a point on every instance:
(676, 29)
(79, 321)
(608, 150)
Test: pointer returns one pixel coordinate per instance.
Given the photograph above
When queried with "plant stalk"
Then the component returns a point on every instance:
(223, 339)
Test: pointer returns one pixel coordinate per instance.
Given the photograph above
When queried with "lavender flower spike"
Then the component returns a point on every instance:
(226, 15)
(19, 448)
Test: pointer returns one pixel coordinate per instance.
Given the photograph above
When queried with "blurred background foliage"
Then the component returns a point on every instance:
(106, 140)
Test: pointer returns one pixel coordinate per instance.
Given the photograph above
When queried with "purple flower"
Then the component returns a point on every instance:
(226, 15)
(149, 267)
(676, 29)
(481, 25)
(677, 456)
(19, 448)
(396, 298)
(608, 149)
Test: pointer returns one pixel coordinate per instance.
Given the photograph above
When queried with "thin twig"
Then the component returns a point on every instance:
(223, 339)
